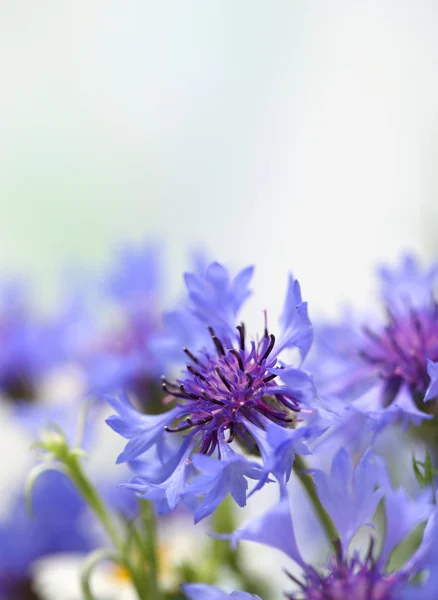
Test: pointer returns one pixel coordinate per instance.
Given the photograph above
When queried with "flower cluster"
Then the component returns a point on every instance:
(350, 496)
(209, 413)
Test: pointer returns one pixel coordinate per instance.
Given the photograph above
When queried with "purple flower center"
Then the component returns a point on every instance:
(348, 580)
(399, 352)
(221, 389)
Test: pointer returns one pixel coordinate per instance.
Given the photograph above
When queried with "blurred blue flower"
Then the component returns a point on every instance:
(201, 591)
(59, 524)
(385, 369)
(116, 351)
(29, 343)
(233, 389)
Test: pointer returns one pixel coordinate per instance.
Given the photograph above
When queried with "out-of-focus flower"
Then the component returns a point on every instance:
(201, 591)
(118, 355)
(350, 496)
(385, 369)
(29, 344)
(57, 577)
(235, 391)
(59, 524)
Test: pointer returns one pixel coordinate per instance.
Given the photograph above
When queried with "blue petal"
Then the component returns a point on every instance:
(169, 492)
(220, 478)
(300, 384)
(143, 431)
(403, 409)
(349, 495)
(402, 515)
(297, 330)
(278, 447)
(432, 390)
(202, 591)
(136, 275)
(274, 528)
(426, 555)
(409, 286)
(215, 300)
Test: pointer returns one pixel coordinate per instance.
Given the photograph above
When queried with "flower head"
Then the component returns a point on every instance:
(350, 496)
(391, 361)
(232, 389)
(29, 344)
(116, 353)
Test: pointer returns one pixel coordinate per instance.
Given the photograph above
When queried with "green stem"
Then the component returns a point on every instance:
(91, 562)
(151, 548)
(323, 516)
(93, 499)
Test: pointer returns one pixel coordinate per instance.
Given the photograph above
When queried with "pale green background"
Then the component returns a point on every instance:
(291, 133)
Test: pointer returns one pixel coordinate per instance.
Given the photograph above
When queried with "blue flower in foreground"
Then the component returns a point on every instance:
(234, 390)
(393, 362)
(351, 496)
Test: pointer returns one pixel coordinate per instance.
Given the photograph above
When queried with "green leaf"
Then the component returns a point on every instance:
(428, 469)
(425, 474)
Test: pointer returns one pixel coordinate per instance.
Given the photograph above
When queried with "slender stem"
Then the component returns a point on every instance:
(151, 548)
(93, 499)
(323, 516)
(91, 562)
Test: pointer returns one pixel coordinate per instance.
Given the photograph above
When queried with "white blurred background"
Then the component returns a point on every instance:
(297, 135)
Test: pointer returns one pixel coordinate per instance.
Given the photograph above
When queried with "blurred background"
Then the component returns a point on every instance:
(294, 135)
(297, 135)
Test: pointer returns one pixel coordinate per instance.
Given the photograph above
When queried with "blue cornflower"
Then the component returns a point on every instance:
(59, 524)
(29, 344)
(385, 368)
(350, 496)
(234, 390)
(119, 356)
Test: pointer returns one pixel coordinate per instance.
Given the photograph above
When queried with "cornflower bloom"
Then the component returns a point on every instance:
(385, 368)
(57, 526)
(234, 391)
(350, 496)
(119, 356)
(28, 345)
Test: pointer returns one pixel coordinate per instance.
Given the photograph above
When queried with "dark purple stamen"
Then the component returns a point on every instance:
(181, 427)
(269, 348)
(250, 379)
(190, 355)
(219, 391)
(241, 330)
(348, 579)
(195, 372)
(222, 378)
(270, 377)
(236, 353)
(400, 351)
(217, 342)
(188, 394)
